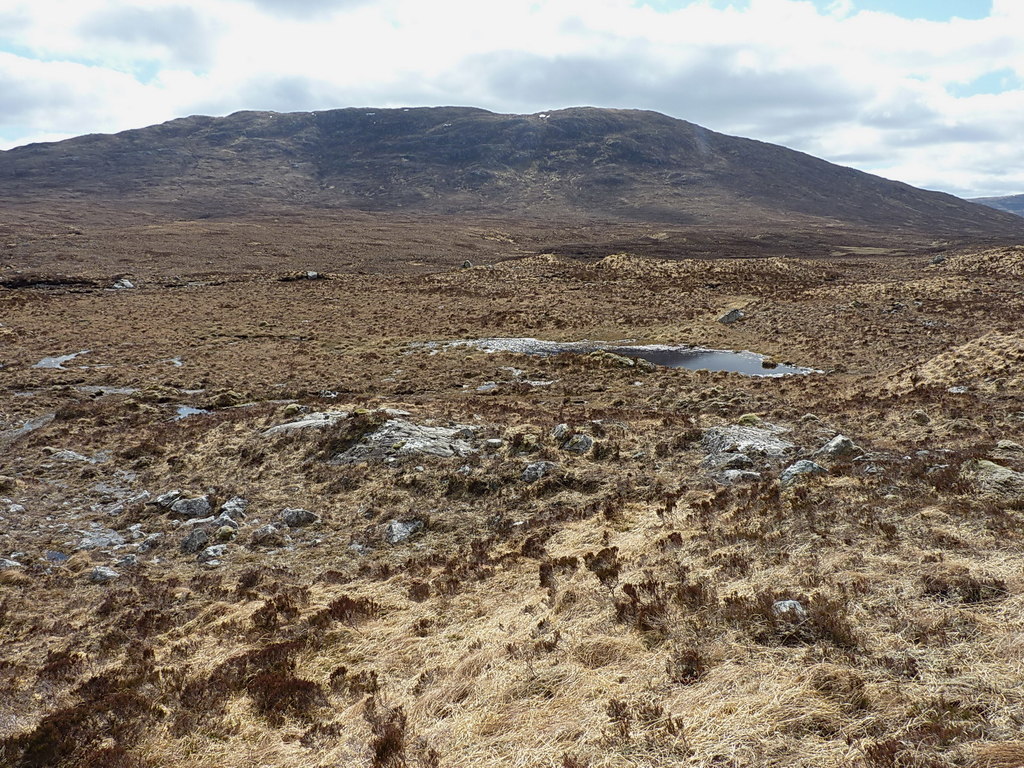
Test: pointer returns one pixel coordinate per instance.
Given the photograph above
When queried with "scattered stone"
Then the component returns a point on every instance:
(732, 316)
(994, 479)
(397, 532)
(100, 538)
(316, 420)
(124, 284)
(268, 536)
(724, 461)
(128, 561)
(165, 500)
(494, 443)
(737, 476)
(536, 470)
(467, 264)
(213, 553)
(790, 610)
(151, 542)
(938, 259)
(298, 518)
(762, 441)
(101, 574)
(72, 456)
(920, 417)
(839, 447)
(234, 508)
(16, 509)
(487, 387)
(799, 471)
(561, 432)
(56, 558)
(6, 565)
(194, 541)
(197, 507)
(578, 444)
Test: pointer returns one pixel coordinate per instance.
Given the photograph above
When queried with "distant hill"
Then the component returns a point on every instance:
(580, 163)
(1011, 203)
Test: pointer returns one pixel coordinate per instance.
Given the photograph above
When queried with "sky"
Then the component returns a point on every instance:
(929, 92)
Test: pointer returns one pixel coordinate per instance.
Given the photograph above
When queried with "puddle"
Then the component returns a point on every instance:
(691, 358)
(57, 362)
(184, 411)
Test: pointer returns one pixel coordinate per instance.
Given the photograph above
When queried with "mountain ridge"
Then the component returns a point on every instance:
(582, 162)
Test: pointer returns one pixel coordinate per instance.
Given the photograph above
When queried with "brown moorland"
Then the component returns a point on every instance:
(477, 585)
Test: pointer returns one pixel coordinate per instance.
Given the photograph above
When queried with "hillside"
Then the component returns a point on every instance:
(570, 164)
(1010, 203)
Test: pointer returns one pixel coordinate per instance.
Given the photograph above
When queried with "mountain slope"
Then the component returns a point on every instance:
(1010, 203)
(576, 162)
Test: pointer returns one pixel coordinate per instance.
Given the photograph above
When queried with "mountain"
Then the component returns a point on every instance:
(573, 163)
(1011, 203)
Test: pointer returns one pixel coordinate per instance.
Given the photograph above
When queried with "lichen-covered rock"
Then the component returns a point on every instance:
(398, 438)
(398, 531)
(760, 441)
(801, 470)
(994, 479)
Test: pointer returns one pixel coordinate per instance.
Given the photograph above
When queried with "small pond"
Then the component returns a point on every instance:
(692, 358)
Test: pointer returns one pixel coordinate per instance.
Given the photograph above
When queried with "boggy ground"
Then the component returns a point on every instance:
(621, 610)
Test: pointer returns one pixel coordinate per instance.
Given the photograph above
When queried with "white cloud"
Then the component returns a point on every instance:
(865, 88)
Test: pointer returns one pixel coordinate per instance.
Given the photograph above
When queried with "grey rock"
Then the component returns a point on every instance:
(939, 258)
(100, 538)
(737, 476)
(165, 500)
(397, 532)
(994, 479)
(398, 438)
(723, 461)
(101, 574)
(732, 316)
(197, 507)
(790, 610)
(487, 387)
(561, 432)
(124, 284)
(760, 441)
(800, 470)
(6, 565)
(234, 508)
(268, 535)
(537, 469)
(56, 558)
(578, 444)
(298, 518)
(72, 456)
(150, 543)
(194, 541)
(128, 561)
(317, 420)
(214, 552)
(839, 447)
(494, 443)
(16, 509)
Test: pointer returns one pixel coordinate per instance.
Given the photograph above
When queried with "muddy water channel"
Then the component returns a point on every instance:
(692, 358)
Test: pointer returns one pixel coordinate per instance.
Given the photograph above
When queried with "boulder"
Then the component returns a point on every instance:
(994, 479)
(298, 518)
(194, 542)
(839, 447)
(801, 470)
(101, 574)
(197, 507)
(398, 438)
(578, 444)
(536, 470)
(732, 316)
(397, 531)
(268, 535)
(760, 441)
